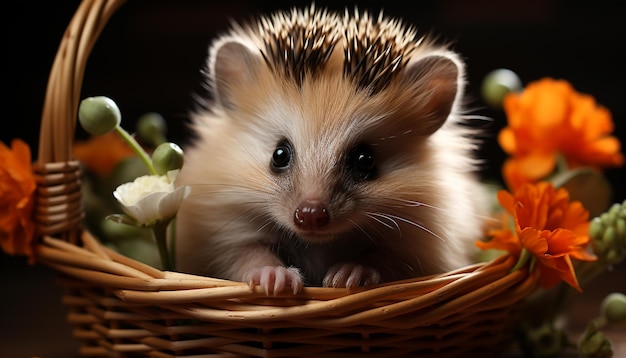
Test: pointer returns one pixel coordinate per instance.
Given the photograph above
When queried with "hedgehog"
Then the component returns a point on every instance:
(333, 151)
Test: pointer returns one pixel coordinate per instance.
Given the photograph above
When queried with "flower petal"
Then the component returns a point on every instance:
(558, 269)
(168, 205)
(548, 226)
(532, 240)
(530, 168)
(550, 118)
(507, 140)
(146, 209)
(151, 198)
(504, 240)
(17, 189)
(507, 201)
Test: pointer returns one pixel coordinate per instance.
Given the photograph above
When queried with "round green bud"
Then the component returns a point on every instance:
(613, 256)
(99, 115)
(620, 227)
(609, 236)
(167, 156)
(151, 128)
(613, 308)
(622, 213)
(614, 211)
(497, 84)
(596, 228)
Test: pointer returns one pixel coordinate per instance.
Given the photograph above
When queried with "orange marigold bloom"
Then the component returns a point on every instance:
(550, 118)
(101, 153)
(17, 190)
(548, 226)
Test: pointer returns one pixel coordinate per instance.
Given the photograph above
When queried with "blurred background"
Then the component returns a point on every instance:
(149, 59)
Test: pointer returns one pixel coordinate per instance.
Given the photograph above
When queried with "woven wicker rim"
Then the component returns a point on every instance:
(489, 290)
(135, 282)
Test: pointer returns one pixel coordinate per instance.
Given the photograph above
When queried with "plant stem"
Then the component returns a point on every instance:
(173, 242)
(159, 232)
(136, 148)
(521, 261)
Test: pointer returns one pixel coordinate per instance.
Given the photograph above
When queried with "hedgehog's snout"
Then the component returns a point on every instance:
(311, 215)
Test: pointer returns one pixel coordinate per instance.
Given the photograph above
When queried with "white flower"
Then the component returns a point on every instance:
(151, 198)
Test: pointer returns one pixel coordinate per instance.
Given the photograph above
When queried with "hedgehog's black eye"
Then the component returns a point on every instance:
(361, 162)
(281, 158)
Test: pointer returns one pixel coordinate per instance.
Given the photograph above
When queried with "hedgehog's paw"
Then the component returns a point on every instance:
(274, 279)
(350, 275)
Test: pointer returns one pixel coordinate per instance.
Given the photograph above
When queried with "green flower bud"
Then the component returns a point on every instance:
(613, 308)
(167, 156)
(151, 128)
(613, 257)
(622, 213)
(595, 345)
(614, 212)
(609, 236)
(596, 228)
(620, 227)
(497, 84)
(99, 115)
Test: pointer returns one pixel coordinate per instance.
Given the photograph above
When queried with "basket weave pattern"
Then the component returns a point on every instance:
(119, 306)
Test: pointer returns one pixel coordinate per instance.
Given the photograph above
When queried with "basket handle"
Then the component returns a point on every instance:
(58, 206)
(58, 120)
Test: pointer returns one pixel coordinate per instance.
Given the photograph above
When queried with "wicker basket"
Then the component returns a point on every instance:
(121, 307)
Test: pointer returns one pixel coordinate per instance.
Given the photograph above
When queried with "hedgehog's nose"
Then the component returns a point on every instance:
(311, 215)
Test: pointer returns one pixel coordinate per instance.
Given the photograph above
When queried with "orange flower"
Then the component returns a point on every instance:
(17, 190)
(550, 118)
(548, 226)
(101, 153)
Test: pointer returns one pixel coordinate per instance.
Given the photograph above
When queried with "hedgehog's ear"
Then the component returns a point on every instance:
(232, 64)
(435, 83)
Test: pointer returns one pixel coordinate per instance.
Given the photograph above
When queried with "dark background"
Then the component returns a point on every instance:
(150, 54)
(149, 59)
